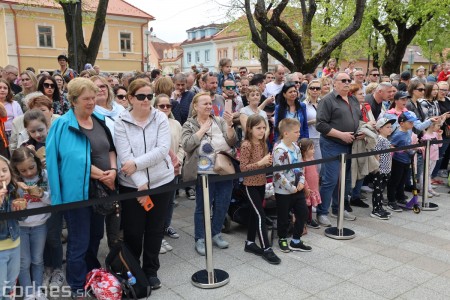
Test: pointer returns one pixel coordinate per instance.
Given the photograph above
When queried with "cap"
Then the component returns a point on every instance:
(383, 121)
(407, 116)
(405, 75)
(401, 95)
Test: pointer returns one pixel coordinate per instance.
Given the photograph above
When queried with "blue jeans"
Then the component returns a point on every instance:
(329, 189)
(219, 197)
(85, 230)
(168, 220)
(10, 268)
(32, 243)
(356, 190)
(53, 252)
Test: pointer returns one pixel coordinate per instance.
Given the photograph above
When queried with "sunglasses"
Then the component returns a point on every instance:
(315, 88)
(346, 80)
(120, 97)
(230, 87)
(242, 72)
(141, 97)
(49, 85)
(376, 75)
(165, 106)
(296, 82)
(421, 90)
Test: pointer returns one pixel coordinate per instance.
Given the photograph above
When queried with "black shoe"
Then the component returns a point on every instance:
(401, 201)
(271, 257)
(380, 215)
(386, 212)
(299, 247)
(253, 248)
(408, 188)
(313, 224)
(155, 283)
(347, 206)
(284, 247)
(358, 202)
(394, 207)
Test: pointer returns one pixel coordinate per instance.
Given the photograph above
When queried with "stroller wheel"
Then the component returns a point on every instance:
(416, 209)
(226, 224)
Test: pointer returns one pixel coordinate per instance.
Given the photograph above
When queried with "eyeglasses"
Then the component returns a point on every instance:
(102, 87)
(165, 106)
(141, 97)
(421, 90)
(346, 80)
(242, 72)
(12, 73)
(315, 88)
(120, 97)
(230, 87)
(49, 85)
(296, 82)
(376, 74)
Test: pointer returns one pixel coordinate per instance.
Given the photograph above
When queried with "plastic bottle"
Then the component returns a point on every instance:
(131, 278)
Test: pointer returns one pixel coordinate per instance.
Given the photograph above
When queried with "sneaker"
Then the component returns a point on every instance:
(347, 206)
(434, 193)
(271, 257)
(358, 202)
(313, 224)
(323, 220)
(190, 193)
(402, 202)
(154, 281)
(200, 246)
(443, 173)
(379, 215)
(299, 247)
(283, 245)
(162, 250)
(253, 248)
(394, 207)
(386, 212)
(40, 296)
(170, 232)
(57, 279)
(367, 189)
(219, 242)
(166, 245)
(47, 276)
(347, 216)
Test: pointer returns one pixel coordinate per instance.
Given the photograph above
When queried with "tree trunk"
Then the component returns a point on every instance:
(263, 55)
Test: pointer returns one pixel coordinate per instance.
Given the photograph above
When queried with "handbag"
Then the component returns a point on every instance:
(225, 164)
(98, 190)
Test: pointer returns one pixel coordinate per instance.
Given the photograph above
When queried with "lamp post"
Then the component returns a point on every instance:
(148, 33)
(430, 44)
(411, 60)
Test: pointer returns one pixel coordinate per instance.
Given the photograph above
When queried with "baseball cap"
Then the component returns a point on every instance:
(405, 75)
(401, 95)
(383, 121)
(407, 116)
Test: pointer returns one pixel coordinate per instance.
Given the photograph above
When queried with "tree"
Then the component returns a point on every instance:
(73, 15)
(298, 44)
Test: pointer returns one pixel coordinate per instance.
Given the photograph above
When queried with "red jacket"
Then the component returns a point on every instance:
(443, 76)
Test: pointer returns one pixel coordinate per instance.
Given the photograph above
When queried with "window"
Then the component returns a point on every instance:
(219, 54)
(235, 54)
(207, 55)
(197, 56)
(125, 42)
(45, 36)
(225, 53)
(189, 57)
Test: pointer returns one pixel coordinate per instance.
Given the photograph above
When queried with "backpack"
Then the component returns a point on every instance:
(104, 285)
(118, 262)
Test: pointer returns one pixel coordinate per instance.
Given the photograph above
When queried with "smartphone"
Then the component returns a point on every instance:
(229, 105)
(148, 204)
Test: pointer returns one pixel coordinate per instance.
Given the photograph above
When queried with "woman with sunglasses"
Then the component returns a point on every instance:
(29, 85)
(311, 101)
(142, 137)
(12, 107)
(121, 96)
(48, 86)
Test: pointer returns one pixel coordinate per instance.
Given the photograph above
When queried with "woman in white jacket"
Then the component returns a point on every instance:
(142, 140)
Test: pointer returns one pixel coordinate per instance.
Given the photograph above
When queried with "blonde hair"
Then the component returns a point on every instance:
(195, 101)
(105, 82)
(252, 89)
(163, 85)
(370, 88)
(33, 79)
(286, 125)
(77, 86)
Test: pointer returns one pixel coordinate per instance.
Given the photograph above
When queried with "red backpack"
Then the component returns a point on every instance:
(103, 285)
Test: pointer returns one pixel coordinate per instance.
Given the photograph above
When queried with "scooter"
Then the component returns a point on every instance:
(412, 204)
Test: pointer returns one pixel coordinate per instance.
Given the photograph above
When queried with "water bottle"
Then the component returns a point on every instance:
(131, 278)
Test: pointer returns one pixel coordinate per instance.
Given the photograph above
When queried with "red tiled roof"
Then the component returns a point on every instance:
(160, 47)
(115, 7)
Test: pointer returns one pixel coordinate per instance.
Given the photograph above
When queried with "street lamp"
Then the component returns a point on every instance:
(430, 44)
(411, 60)
(147, 55)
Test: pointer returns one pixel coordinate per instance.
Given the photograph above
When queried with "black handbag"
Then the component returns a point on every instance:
(98, 190)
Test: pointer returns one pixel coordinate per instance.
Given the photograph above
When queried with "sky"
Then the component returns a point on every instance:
(174, 17)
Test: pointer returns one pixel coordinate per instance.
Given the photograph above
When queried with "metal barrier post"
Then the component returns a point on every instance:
(209, 278)
(426, 180)
(339, 232)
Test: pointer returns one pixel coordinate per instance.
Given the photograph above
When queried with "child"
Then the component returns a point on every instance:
(380, 179)
(33, 187)
(401, 160)
(9, 232)
(224, 74)
(433, 132)
(289, 185)
(254, 156)
(35, 124)
(312, 178)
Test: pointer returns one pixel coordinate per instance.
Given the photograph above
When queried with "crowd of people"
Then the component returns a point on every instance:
(67, 138)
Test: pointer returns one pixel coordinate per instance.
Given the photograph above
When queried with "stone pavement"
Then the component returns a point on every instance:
(407, 257)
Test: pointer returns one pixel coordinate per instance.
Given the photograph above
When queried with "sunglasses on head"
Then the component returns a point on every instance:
(121, 97)
(49, 85)
(141, 97)
(346, 80)
(165, 106)
(230, 87)
(420, 90)
(315, 88)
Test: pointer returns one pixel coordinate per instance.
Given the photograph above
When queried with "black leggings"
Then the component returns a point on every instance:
(286, 203)
(396, 184)
(379, 183)
(257, 218)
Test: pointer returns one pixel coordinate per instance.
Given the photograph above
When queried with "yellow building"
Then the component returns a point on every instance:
(34, 33)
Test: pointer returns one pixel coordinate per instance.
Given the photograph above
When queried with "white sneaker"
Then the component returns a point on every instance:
(367, 189)
(434, 193)
(166, 245)
(57, 279)
(29, 297)
(40, 296)
(162, 250)
(47, 276)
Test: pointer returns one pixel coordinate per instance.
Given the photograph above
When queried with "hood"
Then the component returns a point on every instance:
(116, 110)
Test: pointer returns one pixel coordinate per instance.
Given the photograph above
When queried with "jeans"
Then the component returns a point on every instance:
(9, 270)
(219, 197)
(396, 183)
(85, 231)
(53, 252)
(329, 189)
(171, 206)
(32, 243)
(356, 190)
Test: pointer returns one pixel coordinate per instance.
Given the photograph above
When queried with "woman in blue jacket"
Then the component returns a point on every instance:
(289, 107)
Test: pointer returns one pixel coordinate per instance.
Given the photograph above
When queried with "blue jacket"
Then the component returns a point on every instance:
(68, 158)
(9, 228)
(301, 115)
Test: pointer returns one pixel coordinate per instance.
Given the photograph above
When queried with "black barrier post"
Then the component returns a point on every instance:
(426, 178)
(209, 278)
(339, 232)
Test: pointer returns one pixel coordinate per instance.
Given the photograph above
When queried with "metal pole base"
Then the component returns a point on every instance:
(343, 234)
(430, 206)
(201, 280)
